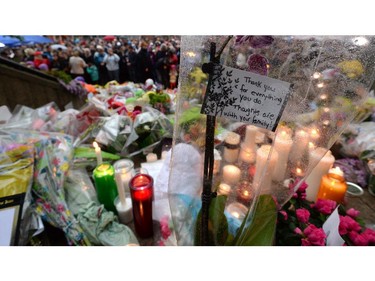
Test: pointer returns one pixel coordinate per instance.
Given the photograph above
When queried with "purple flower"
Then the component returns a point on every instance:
(325, 206)
(258, 64)
(314, 236)
(303, 215)
(254, 41)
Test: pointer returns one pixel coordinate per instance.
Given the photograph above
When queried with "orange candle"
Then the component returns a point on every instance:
(333, 186)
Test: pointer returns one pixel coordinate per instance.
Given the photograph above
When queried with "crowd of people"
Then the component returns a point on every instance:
(100, 60)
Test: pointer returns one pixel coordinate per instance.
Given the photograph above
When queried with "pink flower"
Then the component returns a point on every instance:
(161, 243)
(314, 236)
(301, 191)
(325, 206)
(297, 230)
(303, 215)
(164, 227)
(348, 224)
(358, 239)
(370, 233)
(285, 214)
(353, 213)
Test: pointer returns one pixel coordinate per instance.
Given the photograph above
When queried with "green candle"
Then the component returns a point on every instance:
(106, 188)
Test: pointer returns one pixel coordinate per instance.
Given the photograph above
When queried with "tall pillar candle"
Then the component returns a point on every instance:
(105, 184)
(231, 147)
(141, 190)
(301, 140)
(283, 144)
(262, 166)
(250, 137)
(325, 161)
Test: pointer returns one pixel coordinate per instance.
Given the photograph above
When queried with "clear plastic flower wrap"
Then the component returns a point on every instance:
(329, 77)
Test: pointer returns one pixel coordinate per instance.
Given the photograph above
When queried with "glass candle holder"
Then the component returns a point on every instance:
(141, 192)
(124, 171)
(333, 186)
(106, 188)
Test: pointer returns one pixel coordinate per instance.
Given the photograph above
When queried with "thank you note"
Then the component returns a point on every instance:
(246, 97)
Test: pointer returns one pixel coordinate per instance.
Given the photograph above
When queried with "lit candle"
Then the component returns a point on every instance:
(141, 191)
(312, 146)
(106, 188)
(98, 153)
(247, 155)
(244, 194)
(151, 157)
(224, 189)
(333, 186)
(325, 161)
(260, 180)
(237, 210)
(300, 142)
(283, 144)
(231, 147)
(314, 134)
(231, 174)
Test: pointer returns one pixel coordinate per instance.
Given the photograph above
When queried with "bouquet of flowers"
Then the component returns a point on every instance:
(300, 223)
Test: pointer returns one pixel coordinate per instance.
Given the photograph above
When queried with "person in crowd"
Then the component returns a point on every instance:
(93, 72)
(77, 65)
(131, 62)
(124, 58)
(161, 66)
(143, 64)
(29, 55)
(111, 61)
(39, 59)
(55, 63)
(99, 62)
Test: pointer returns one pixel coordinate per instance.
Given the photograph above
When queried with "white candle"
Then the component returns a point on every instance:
(301, 139)
(124, 211)
(283, 144)
(237, 210)
(231, 147)
(224, 189)
(124, 171)
(98, 153)
(217, 161)
(231, 174)
(314, 134)
(250, 137)
(325, 161)
(260, 180)
(247, 155)
(151, 157)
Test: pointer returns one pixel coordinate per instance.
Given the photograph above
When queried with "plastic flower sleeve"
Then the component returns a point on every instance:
(329, 79)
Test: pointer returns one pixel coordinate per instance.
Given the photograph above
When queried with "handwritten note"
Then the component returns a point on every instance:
(331, 229)
(246, 97)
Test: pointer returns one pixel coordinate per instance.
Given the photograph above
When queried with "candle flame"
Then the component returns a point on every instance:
(311, 145)
(299, 171)
(316, 75)
(320, 85)
(246, 193)
(236, 215)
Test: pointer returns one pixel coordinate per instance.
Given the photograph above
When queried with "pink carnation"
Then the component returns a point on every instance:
(358, 239)
(314, 236)
(370, 233)
(161, 243)
(303, 215)
(348, 224)
(297, 230)
(353, 213)
(325, 206)
(285, 214)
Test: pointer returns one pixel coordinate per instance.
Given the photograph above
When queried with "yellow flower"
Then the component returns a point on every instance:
(352, 68)
(64, 167)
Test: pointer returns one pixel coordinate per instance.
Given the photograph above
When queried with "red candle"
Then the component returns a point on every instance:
(141, 191)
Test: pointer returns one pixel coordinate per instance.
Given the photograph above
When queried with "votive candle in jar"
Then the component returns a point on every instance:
(141, 192)
(231, 174)
(105, 184)
(333, 186)
(231, 147)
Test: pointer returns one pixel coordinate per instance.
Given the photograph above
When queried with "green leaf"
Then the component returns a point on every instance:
(88, 152)
(217, 223)
(261, 231)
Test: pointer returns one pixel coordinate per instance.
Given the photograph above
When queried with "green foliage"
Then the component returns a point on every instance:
(88, 152)
(261, 231)
(217, 223)
(61, 75)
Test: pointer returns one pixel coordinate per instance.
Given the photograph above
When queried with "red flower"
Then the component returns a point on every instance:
(325, 206)
(314, 236)
(353, 213)
(348, 224)
(303, 215)
(370, 233)
(164, 227)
